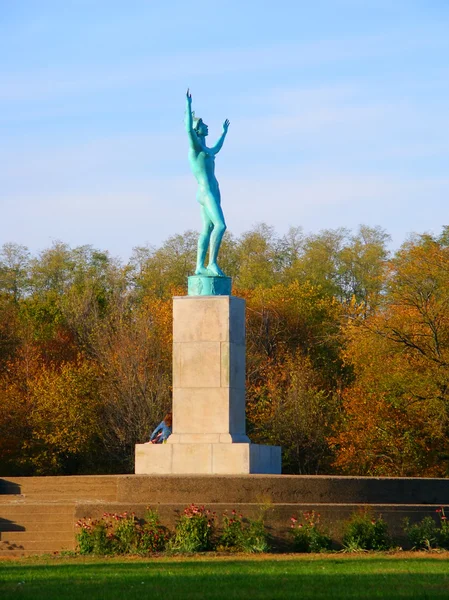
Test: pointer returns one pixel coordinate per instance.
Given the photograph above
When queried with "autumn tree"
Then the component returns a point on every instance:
(132, 350)
(396, 412)
(77, 325)
(50, 419)
(293, 371)
(292, 408)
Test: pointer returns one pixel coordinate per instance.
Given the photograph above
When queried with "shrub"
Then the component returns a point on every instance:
(242, 535)
(363, 532)
(125, 538)
(121, 534)
(194, 530)
(426, 534)
(84, 538)
(153, 536)
(444, 529)
(422, 535)
(308, 535)
(94, 537)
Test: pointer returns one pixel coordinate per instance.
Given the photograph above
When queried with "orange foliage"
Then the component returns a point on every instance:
(292, 361)
(397, 411)
(49, 413)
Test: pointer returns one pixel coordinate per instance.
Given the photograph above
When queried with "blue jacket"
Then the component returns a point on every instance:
(166, 432)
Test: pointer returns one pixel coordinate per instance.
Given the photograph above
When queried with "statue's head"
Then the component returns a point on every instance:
(199, 126)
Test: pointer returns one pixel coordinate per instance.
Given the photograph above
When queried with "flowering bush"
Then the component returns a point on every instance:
(364, 532)
(444, 529)
(153, 536)
(93, 537)
(308, 535)
(426, 535)
(125, 533)
(84, 537)
(242, 535)
(121, 534)
(194, 530)
(422, 535)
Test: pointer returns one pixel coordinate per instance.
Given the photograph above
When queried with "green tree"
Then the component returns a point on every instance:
(362, 268)
(14, 270)
(257, 259)
(319, 262)
(160, 270)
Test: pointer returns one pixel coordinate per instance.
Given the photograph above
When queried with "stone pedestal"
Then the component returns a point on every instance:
(208, 395)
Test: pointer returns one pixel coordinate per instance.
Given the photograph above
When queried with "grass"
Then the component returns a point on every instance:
(227, 578)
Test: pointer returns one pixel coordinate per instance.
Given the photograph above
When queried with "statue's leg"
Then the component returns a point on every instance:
(203, 243)
(219, 227)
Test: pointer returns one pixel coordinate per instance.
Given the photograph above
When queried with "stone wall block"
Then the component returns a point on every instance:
(237, 415)
(237, 333)
(192, 458)
(200, 364)
(201, 410)
(176, 361)
(153, 458)
(200, 319)
(234, 458)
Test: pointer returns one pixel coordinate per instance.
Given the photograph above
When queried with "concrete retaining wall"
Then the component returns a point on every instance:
(38, 514)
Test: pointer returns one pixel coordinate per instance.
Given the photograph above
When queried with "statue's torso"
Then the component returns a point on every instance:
(203, 166)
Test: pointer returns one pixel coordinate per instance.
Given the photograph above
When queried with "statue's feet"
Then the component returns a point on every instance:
(201, 271)
(214, 270)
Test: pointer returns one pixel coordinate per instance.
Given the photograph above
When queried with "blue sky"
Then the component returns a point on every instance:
(338, 108)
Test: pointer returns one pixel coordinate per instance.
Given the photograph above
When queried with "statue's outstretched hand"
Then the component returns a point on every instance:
(226, 126)
(189, 96)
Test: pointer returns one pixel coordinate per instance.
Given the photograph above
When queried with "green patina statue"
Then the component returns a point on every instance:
(202, 162)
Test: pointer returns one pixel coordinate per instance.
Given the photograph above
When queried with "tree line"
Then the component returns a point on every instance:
(347, 350)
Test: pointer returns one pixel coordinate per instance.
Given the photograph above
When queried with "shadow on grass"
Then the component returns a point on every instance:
(229, 580)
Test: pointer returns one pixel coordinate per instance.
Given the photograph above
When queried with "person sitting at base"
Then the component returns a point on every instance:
(162, 431)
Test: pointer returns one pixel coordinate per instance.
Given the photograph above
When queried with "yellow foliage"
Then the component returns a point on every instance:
(397, 410)
(64, 416)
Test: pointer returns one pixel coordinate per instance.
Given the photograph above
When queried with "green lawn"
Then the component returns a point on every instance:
(268, 577)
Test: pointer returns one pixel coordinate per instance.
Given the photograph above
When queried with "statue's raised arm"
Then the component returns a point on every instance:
(202, 163)
(219, 144)
(192, 124)
(189, 116)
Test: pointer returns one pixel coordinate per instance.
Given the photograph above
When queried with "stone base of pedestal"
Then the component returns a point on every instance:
(207, 458)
